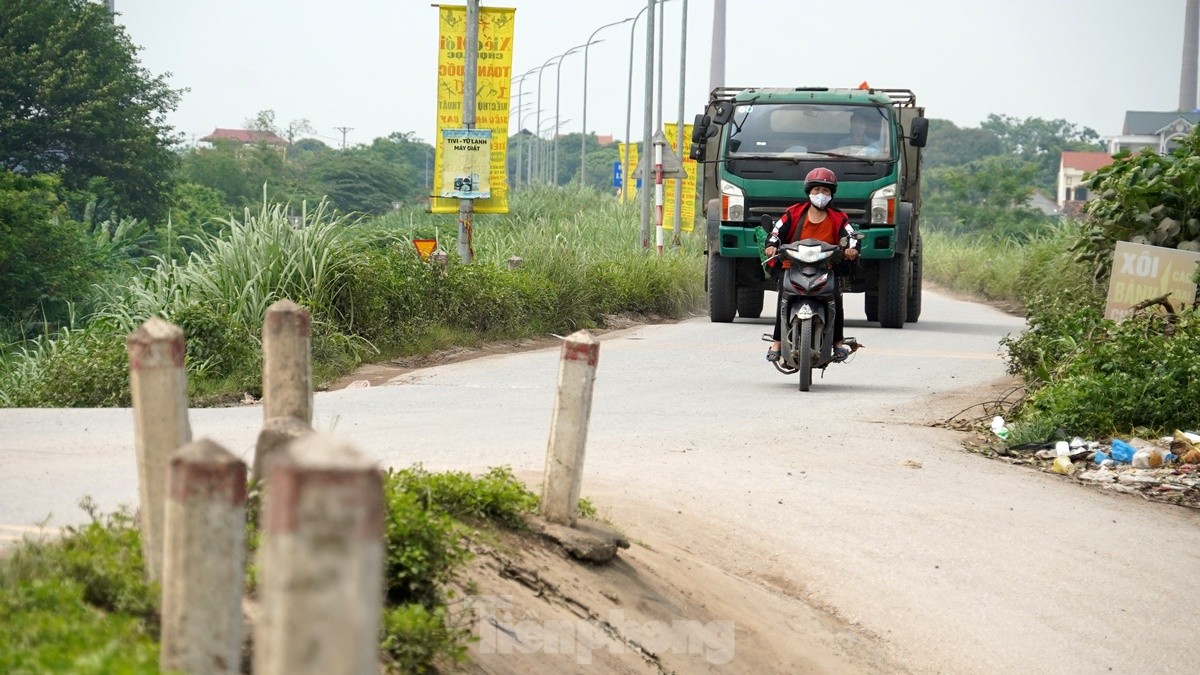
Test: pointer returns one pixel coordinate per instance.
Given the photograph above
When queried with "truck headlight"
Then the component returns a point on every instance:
(883, 205)
(733, 202)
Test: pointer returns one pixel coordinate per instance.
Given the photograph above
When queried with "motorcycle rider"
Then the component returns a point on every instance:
(813, 219)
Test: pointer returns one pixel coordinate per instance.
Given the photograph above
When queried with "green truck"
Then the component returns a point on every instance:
(757, 144)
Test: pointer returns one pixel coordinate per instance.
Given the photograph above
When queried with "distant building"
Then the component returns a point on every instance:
(1158, 131)
(1072, 193)
(245, 137)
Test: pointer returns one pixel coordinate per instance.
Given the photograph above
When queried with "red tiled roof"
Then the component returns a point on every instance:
(244, 136)
(1085, 161)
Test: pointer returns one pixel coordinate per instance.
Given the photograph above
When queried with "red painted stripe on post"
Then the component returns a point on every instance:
(204, 479)
(279, 318)
(287, 482)
(580, 351)
(142, 352)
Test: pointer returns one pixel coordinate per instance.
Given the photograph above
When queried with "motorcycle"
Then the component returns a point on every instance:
(808, 305)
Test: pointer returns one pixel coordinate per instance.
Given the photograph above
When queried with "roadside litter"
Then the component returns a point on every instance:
(1165, 469)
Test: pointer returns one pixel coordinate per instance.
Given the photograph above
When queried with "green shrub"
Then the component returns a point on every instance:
(495, 496)
(84, 367)
(422, 548)
(415, 638)
(79, 604)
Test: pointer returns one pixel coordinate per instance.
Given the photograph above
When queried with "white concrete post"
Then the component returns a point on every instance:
(568, 428)
(160, 422)
(275, 436)
(287, 363)
(321, 562)
(204, 561)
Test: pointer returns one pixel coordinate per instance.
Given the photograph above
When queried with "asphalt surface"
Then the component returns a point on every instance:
(843, 496)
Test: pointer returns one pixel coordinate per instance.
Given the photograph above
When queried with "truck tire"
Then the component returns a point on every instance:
(722, 288)
(749, 302)
(894, 277)
(871, 305)
(914, 285)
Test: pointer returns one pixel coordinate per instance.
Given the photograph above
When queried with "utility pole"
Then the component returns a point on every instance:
(344, 130)
(679, 142)
(466, 207)
(716, 64)
(647, 153)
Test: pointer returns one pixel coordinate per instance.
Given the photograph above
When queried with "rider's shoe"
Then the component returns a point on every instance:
(841, 353)
(773, 355)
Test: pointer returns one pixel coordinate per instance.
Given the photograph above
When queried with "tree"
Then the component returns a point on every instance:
(984, 196)
(359, 181)
(1041, 142)
(952, 146)
(44, 256)
(75, 101)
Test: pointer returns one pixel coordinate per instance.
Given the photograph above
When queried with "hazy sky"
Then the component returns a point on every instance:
(371, 64)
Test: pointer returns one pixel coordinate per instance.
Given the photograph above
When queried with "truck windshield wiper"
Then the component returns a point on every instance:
(863, 158)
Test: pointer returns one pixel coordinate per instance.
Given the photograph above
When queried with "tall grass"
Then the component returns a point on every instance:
(369, 292)
(1005, 268)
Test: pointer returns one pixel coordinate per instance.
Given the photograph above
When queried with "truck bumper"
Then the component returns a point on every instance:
(878, 243)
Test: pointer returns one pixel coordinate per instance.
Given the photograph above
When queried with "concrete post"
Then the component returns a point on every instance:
(321, 562)
(275, 436)
(287, 366)
(160, 421)
(568, 428)
(204, 561)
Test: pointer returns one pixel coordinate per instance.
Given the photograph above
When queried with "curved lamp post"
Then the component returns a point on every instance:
(540, 108)
(584, 131)
(521, 104)
(557, 89)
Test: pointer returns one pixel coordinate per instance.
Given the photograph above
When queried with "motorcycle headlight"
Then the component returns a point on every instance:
(733, 202)
(808, 254)
(883, 204)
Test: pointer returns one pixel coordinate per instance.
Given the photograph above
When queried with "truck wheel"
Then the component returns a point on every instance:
(749, 302)
(722, 288)
(871, 305)
(894, 275)
(914, 287)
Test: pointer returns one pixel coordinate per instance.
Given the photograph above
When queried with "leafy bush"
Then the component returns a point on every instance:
(1145, 198)
(79, 604)
(79, 367)
(495, 496)
(422, 548)
(416, 637)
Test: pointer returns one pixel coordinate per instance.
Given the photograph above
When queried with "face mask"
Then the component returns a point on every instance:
(819, 200)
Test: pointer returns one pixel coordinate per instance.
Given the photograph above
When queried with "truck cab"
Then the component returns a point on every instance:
(756, 146)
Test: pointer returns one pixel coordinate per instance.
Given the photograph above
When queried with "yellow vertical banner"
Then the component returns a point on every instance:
(493, 84)
(628, 180)
(688, 205)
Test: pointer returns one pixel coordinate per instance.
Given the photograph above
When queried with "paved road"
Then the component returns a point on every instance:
(962, 565)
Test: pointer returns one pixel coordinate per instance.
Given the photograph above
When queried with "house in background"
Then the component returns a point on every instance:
(245, 137)
(1072, 193)
(1158, 131)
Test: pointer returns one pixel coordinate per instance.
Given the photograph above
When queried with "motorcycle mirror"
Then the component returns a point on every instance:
(768, 223)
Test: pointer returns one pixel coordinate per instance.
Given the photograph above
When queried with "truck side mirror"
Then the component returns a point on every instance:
(696, 152)
(722, 112)
(919, 133)
(700, 128)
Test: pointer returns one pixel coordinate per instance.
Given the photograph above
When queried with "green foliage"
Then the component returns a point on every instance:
(496, 496)
(422, 547)
(108, 114)
(361, 182)
(1041, 143)
(1113, 378)
(416, 638)
(984, 196)
(85, 367)
(1146, 198)
(47, 262)
(79, 604)
(952, 146)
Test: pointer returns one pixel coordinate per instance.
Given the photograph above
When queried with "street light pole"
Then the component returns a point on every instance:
(679, 128)
(539, 116)
(629, 107)
(583, 136)
(647, 132)
(529, 163)
(520, 136)
(557, 89)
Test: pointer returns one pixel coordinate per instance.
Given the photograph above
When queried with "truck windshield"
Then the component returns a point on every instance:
(791, 129)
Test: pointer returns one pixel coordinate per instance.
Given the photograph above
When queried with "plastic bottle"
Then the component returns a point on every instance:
(1121, 451)
(1063, 464)
(998, 428)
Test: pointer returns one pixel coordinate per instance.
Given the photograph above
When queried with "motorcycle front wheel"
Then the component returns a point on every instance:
(804, 353)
